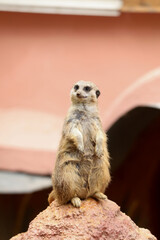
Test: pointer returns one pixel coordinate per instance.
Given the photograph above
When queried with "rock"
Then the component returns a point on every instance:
(93, 220)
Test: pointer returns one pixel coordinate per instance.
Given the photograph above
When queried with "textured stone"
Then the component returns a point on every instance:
(93, 220)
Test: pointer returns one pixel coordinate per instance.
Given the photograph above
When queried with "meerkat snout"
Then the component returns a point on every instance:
(78, 94)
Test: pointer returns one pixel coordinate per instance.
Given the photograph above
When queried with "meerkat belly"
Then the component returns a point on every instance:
(82, 170)
(88, 137)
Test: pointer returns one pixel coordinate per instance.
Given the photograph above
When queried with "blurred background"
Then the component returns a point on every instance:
(47, 46)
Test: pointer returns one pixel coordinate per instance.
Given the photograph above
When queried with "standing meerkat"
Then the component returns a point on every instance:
(82, 164)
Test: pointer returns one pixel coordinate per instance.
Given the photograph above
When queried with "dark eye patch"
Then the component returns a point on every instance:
(87, 89)
(98, 93)
(76, 87)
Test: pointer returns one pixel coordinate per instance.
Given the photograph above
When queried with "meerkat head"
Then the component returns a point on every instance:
(84, 92)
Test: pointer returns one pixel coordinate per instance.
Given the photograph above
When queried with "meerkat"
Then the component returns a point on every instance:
(82, 163)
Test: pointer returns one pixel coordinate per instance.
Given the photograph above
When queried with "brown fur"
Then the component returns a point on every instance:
(82, 164)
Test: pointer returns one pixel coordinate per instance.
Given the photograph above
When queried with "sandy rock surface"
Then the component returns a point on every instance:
(93, 220)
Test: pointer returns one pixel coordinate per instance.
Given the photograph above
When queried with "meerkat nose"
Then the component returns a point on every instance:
(78, 94)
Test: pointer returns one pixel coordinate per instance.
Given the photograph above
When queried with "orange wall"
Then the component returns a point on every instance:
(41, 56)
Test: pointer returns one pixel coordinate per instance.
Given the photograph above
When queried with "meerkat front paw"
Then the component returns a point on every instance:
(81, 147)
(78, 139)
(98, 151)
(76, 202)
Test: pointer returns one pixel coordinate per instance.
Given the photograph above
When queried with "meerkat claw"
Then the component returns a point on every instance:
(81, 148)
(99, 195)
(99, 151)
(76, 202)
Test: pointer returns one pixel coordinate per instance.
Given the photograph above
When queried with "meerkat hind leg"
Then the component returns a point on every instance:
(76, 202)
(99, 195)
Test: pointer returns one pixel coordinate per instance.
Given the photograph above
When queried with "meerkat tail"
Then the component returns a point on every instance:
(51, 197)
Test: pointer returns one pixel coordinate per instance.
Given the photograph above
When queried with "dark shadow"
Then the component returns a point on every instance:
(17, 210)
(134, 145)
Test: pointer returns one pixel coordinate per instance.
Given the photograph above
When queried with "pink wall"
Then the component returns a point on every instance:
(41, 56)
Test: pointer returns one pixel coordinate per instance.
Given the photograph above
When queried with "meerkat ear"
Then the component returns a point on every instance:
(98, 93)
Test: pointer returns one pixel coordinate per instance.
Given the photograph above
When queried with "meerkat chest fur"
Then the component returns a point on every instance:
(84, 123)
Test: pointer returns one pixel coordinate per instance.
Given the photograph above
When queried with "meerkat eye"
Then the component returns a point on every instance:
(87, 89)
(76, 87)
